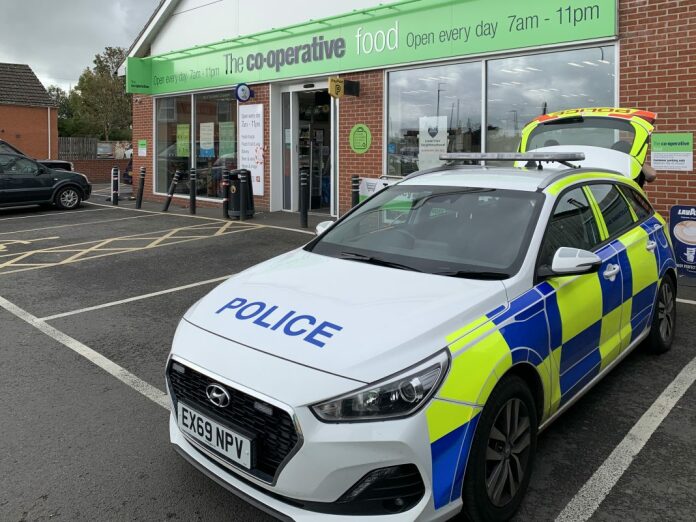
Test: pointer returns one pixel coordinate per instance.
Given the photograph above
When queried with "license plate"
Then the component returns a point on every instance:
(225, 441)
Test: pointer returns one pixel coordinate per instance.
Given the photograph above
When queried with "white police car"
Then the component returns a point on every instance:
(400, 366)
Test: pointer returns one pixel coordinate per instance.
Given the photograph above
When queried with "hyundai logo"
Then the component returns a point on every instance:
(218, 395)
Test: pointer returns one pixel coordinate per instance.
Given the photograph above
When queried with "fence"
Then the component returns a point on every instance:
(77, 148)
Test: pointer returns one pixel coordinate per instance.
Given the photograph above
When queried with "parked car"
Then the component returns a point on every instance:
(24, 181)
(51, 164)
(402, 364)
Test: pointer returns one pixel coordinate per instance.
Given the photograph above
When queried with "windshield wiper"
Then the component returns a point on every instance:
(476, 274)
(354, 256)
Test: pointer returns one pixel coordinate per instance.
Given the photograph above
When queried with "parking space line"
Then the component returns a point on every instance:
(136, 298)
(584, 504)
(56, 214)
(73, 225)
(686, 301)
(120, 373)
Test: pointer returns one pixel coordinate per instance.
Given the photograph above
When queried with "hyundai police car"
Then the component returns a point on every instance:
(400, 366)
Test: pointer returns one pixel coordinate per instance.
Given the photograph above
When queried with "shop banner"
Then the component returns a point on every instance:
(142, 148)
(399, 33)
(673, 151)
(251, 144)
(183, 140)
(432, 141)
(207, 137)
(228, 140)
(682, 226)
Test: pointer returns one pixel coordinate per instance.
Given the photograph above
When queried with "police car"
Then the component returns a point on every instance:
(400, 366)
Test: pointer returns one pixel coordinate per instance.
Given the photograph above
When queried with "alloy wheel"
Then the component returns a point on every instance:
(69, 198)
(666, 313)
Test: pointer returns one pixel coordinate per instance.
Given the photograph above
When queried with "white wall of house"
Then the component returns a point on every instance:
(198, 22)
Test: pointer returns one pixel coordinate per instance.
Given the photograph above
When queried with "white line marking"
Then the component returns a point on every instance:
(55, 214)
(686, 301)
(74, 225)
(136, 298)
(288, 229)
(592, 494)
(123, 375)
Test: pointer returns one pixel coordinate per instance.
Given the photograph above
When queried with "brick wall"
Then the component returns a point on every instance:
(27, 129)
(368, 109)
(99, 170)
(658, 73)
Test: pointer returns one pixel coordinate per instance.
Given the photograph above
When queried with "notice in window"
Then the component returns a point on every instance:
(228, 140)
(432, 141)
(183, 140)
(207, 140)
(251, 144)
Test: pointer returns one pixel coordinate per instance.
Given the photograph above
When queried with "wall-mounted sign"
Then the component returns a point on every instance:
(360, 138)
(673, 151)
(251, 145)
(243, 92)
(407, 32)
(183, 140)
(682, 226)
(336, 87)
(142, 148)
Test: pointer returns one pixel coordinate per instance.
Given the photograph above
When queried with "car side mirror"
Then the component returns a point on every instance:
(323, 227)
(42, 170)
(571, 261)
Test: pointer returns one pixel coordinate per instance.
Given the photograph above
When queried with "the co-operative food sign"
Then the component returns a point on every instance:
(399, 33)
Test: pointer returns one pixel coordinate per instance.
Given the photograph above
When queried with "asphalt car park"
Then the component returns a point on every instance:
(90, 299)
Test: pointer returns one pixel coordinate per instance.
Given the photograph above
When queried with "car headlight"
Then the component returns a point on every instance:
(396, 396)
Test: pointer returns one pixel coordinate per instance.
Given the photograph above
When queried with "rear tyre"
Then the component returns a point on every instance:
(68, 198)
(664, 318)
(502, 454)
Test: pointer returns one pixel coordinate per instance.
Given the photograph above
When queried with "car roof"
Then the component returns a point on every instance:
(509, 178)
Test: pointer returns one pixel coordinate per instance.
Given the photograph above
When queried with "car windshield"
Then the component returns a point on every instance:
(451, 231)
(608, 133)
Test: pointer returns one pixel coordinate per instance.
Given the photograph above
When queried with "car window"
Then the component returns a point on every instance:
(17, 165)
(614, 208)
(638, 203)
(437, 229)
(608, 133)
(572, 225)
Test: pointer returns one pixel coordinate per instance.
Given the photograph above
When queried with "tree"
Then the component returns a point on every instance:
(101, 102)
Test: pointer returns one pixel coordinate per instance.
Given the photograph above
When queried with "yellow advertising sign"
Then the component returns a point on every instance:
(337, 87)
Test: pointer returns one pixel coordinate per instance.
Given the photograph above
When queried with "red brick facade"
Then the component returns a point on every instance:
(28, 129)
(99, 170)
(658, 73)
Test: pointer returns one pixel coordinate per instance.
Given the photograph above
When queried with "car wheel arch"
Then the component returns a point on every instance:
(66, 184)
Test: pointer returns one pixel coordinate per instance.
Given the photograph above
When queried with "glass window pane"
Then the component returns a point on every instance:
(614, 208)
(216, 140)
(524, 87)
(639, 204)
(431, 111)
(173, 145)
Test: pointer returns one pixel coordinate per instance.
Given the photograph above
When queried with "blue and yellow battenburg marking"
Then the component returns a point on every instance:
(543, 328)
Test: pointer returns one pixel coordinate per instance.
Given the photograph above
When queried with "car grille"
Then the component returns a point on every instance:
(272, 428)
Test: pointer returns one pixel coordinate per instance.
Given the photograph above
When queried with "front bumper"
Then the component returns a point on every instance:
(87, 191)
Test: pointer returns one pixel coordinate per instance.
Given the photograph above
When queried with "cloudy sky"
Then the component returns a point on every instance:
(59, 38)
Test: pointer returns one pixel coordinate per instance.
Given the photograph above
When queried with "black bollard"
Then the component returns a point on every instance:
(141, 188)
(192, 191)
(226, 194)
(355, 190)
(172, 188)
(243, 187)
(114, 186)
(304, 199)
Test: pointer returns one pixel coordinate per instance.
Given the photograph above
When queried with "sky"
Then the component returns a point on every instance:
(58, 39)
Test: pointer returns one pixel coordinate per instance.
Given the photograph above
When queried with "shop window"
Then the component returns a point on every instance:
(173, 140)
(432, 110)
(522, 88)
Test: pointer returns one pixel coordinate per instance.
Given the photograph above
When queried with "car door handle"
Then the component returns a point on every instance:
(611, 272)
(651, 246)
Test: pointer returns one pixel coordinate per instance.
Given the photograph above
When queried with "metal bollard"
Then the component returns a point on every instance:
(114, 186)
(172, 188)
(355, 190)
(192, 191)
(226, 194)
(141, 188)
(304, 199)
(243, 187)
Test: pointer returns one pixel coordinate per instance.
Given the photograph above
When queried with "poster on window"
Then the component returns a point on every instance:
(251, 144)
(183, 140)
(207, 131)
(432, 141)
(228, 140)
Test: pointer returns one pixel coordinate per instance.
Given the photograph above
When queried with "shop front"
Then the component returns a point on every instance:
(433, 77)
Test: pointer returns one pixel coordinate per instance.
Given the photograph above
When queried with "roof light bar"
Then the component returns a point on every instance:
(558, 157)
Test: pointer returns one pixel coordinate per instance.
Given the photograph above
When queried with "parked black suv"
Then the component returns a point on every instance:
(50, 163)
(24, 181)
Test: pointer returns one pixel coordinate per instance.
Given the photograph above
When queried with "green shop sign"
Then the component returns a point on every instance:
(399, 33)
(360, 138)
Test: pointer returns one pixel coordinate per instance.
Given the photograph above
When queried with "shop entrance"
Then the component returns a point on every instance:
(308, 129)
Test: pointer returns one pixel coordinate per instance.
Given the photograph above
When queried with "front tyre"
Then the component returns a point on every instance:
(68, 198)
(502, 453)
(664, 318)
